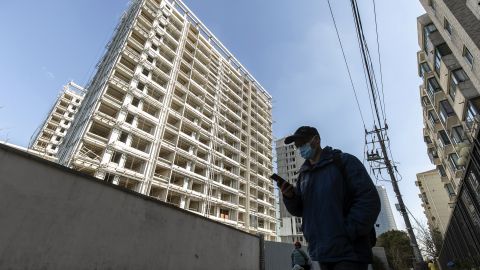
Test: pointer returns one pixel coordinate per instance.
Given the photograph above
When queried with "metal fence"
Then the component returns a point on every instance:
(462, 238)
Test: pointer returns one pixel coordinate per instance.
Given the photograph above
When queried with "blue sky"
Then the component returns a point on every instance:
(289, 46)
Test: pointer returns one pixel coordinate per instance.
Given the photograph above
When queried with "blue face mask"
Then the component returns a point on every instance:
(306, 151)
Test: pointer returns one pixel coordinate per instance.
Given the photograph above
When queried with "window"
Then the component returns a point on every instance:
(129, 118)
(145, 72)
(109, 178)
(427, 30)
(123, 137)
(470, 114)
(453, 159)
(458, 135)
(446, 110)
(154, 47)
(432, 87)
(432, 154)
(441, 171)
(444, 138)
(449, 189)
(468, 55)
(437, 61)
(135, 102)
(140, 86)
(425, 101)
(448, 27)
(433, 5)
(116, 157)
(62, 130)
(432, 118)
(456, 76)
(440, 51)
(424, 68)
(150, 59)
(425, 198)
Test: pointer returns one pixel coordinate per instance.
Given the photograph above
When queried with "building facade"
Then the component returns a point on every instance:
(385, 221)
(436, 199)
(172, 114)
(449, 63)
(449, 99)
(47, 139)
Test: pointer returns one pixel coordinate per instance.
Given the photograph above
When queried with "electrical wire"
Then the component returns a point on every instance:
(346, 63)
(366, 58)
(379, 57)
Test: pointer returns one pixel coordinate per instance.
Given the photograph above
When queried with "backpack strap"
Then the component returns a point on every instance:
(337, 160)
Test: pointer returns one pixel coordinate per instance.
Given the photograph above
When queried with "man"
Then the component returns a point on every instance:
(338, 202)
(299, 258)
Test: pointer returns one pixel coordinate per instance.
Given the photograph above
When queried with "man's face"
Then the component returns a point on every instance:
(311, 140)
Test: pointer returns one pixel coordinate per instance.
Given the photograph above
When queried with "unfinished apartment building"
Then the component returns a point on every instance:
(448, 63)
(172, 114)
(46, 140)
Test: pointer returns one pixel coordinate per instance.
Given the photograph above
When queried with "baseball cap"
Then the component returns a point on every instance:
(303, 132)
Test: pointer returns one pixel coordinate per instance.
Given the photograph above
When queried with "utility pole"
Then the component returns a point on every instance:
(385, 160)
(378, 161)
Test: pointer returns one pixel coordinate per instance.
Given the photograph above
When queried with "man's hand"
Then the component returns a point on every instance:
(285, 187)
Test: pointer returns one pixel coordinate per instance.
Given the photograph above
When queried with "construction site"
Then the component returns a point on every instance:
(170, 113)
(49, 135)
(163, 155)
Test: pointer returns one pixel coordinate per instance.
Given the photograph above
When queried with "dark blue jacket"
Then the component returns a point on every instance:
(332, 235)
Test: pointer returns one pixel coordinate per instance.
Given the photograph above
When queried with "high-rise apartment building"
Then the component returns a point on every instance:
(288, 162)
(435, 199)
(385, 221)
(449, 63)
(46, 140)
(451, 80)
(172, 114)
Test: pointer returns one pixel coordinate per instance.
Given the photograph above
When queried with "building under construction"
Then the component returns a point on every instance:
(46, 140)
(172, 114)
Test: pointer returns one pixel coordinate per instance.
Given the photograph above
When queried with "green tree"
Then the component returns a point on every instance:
(397, 247)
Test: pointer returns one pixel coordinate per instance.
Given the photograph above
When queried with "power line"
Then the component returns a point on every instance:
(368, 68)
(379, 58)
(346, 63)
(381, 132)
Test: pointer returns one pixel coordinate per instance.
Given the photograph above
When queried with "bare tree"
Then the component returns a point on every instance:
(430, 240)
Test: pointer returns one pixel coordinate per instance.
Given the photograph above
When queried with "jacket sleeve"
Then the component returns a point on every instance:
(365, 202)
(294, 205)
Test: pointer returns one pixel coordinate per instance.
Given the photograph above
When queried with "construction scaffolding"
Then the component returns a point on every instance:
(49, 135)
(177, 117)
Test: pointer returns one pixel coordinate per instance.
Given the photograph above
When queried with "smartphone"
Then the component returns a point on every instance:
(277, 178)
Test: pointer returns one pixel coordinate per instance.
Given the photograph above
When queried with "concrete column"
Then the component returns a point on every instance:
(183, 200)
(186, 182)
